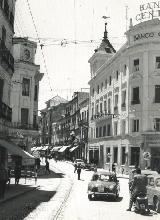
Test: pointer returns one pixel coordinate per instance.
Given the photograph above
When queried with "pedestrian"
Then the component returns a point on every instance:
(47, 167)
(17, 174)
(3, 180)
(38, 162)
(36, 175)
(79, 171)
(113, 167)
(75, 167)
(9, 176)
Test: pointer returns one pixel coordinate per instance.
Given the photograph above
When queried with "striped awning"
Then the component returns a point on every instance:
(73, 148)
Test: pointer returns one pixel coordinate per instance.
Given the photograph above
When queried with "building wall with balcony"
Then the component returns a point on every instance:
(25, 89)
(6, 69)
(124, 103)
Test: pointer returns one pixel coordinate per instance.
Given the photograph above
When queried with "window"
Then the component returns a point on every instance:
(98, 89)
(100, 131)
(92, 111)
(115, 128)
(25, 87)
(3, 34)
(157, 62)
(97, 109)
(157, 94)
(108, 130)
(123, 127)
(115, 152)
(110, 80)
(96, 132)
(101, 108)
(104, 130)
(1, 89)
(116, 101)
(93, 92)
(135, 98)
(108, 154)
(157, 124)
(123, 155)
(124, 98)
(135, 125)
(101, 86)
(35, 121)
(109, 106)
(24, 116)
(125, 70)
(135, 65)
(35, 93)
(106, 84)
(117, 74)
(1, 3)
(105, 106)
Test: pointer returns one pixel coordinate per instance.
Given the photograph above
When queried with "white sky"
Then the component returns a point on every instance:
(81, 20)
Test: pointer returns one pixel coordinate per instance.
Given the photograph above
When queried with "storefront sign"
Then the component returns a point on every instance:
(147, 35)
(149, 11)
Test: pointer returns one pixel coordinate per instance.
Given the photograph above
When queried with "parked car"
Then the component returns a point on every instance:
(80, 162)
(90, 166)
(103, 184)
(153, 191)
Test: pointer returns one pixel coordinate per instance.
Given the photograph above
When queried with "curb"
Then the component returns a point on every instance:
(19, 194)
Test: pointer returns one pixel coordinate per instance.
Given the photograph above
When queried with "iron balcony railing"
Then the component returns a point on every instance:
(5, 112)
(6, 57)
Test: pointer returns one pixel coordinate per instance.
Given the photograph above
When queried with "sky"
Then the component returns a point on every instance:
(58, 24)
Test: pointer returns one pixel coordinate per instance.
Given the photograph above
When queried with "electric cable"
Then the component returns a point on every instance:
(41, 45)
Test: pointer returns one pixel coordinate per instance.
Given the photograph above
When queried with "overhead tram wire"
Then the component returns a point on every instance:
(41, 45)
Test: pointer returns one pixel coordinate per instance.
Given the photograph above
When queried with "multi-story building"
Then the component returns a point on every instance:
(7, 10)
(53, 112)
(69, 127)
(25, 93)
(124, 100)
(83, 126)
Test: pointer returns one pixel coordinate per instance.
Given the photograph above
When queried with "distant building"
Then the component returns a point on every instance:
(25, 93)
(124, 116)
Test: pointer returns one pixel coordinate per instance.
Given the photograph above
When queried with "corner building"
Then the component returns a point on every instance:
(124, 109)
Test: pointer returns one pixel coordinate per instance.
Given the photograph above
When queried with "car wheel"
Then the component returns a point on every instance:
(90, 197)
(156, 204)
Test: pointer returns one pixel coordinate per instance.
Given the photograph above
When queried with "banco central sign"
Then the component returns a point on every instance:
(149, 11)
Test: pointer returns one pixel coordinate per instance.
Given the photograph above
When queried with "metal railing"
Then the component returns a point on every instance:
(20, 125)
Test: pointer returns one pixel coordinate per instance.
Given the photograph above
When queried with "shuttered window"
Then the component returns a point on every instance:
(157, 94)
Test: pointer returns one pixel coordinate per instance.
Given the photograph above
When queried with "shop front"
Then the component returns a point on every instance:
(94, 154)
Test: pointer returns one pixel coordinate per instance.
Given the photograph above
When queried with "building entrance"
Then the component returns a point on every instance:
(155, 159)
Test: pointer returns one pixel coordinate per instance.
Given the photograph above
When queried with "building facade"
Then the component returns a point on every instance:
(25, 93)
(124, 100)
(7, 11)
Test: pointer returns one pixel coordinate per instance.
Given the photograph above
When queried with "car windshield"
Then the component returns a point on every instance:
(79, 160)
(158, 182)
(104, 177)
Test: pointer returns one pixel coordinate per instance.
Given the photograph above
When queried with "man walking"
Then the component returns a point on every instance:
(79, 171)
(47, 167)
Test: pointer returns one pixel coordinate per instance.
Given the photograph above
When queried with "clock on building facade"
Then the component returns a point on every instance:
(27, 55)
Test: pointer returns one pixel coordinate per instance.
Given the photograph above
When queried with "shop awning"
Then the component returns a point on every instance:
(73, 148)
(63, 149)
(13, 149)
(45, 148)
(54, 149)
(39, 148)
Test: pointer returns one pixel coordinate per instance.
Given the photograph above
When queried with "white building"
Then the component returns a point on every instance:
(24, 93)
(125, 99)
(7, 10)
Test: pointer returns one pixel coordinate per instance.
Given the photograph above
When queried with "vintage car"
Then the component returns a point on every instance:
(80, 162)
(103, 184)
(153, 191)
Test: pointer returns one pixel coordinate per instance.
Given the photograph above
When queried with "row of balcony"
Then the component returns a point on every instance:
(7, 13)
(6, 57)
(5, 112)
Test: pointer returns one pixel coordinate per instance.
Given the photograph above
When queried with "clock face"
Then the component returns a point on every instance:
(27, 54)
